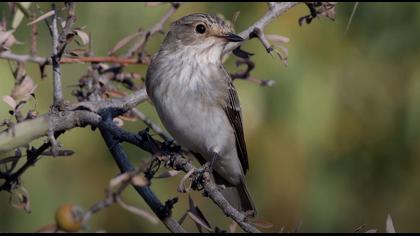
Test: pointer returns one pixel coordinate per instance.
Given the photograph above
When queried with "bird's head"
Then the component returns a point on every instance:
(201, 31)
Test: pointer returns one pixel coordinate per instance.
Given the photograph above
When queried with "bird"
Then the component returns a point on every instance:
(196, 101)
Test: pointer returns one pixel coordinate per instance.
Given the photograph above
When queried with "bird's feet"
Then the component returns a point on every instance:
(199, 176)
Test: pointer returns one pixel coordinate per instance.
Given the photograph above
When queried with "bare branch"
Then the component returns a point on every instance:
(155, 127)
(177, 162)
(274, 11)
(57, 88)
(156, 28)
(78, 115)
(162, 211)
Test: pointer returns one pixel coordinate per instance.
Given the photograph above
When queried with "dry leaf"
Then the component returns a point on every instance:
(83, 36)
(197, 220)
(233, 226)
(372, 231)
(282, 53)
(10, 101)
(7, 39)
(123, 42)
(197, 213)
(168, 174)
(114, 182)
(277, 38)
(138, 211)
(262, 224)
(19, 198)
(42, 17)
(23, 91)
(77, 52)
(139, 180)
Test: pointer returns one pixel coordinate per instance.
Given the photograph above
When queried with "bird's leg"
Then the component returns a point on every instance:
(209, 164)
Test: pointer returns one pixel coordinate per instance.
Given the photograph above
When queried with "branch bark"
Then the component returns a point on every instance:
(58, 92)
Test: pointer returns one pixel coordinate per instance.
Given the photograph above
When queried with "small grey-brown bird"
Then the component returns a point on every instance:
(197, 103)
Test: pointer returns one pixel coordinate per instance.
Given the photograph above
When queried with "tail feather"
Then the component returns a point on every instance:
(238, 196)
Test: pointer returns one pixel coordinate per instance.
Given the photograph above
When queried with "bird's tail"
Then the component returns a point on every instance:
(238, 196)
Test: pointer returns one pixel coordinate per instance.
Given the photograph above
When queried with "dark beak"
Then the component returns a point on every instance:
(231, 37)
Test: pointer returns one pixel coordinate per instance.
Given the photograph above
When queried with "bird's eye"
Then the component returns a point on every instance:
(201, 29)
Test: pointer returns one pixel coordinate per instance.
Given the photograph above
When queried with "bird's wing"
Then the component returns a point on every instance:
(233, 112)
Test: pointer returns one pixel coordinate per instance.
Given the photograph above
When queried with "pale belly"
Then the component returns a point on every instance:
(203, 129)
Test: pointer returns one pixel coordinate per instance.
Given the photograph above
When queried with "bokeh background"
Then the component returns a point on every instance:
(335, 144)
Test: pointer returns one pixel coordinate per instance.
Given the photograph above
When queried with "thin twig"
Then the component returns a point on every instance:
(177, 162)
(356, 4)
(58, 92)
(155, 127)
(156, 28)
(162, 211)
(274, 11)
(34, 34)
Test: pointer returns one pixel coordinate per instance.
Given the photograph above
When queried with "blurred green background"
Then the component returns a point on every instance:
(334, 144)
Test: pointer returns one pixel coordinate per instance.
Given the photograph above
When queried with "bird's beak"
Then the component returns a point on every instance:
(231, 37)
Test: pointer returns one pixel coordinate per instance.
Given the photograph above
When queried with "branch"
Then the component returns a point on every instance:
(156, 28)
(58, 92)
(119, 60)
(177, 162)
(161, 210)
(274, 11)
(155, 127)
(78, 115)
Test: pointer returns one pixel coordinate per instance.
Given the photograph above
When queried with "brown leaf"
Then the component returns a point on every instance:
(139, 180)
(42, 17)
(233, 227)
(19, 198)
(7, 39)
(83, 36)
(262, 224)
(181, 187)
(277, 38)
(114, 182)
(128, 116)
(10, 101)
(138, 211)
(23, 91)
(77, 52)
(197, 213)
(199, 221)
(168, 174)
(282, 53)
(123, 42)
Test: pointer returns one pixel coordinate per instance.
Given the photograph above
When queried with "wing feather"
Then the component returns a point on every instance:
(232, 109)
